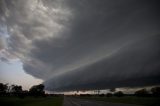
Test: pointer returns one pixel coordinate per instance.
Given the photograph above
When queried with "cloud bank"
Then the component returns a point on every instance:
(84, 44)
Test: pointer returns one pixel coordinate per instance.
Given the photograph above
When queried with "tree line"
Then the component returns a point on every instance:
(16, 90)
(153, 92)
(38, 90)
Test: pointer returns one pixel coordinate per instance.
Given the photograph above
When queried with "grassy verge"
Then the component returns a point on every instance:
(146, 101)
(31, 101)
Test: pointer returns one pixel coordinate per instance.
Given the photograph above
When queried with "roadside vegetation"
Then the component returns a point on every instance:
(140, 97)
(13, 95)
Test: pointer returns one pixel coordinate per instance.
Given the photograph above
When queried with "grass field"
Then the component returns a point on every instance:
(31, 101)
(146, 101)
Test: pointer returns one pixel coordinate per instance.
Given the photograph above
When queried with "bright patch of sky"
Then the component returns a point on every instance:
(13, 73)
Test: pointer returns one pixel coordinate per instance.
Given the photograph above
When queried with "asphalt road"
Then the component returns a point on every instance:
(71, 101)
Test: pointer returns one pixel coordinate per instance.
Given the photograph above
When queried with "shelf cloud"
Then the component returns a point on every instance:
(84, 44)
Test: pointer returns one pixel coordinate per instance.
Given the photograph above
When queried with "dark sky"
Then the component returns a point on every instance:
(84, 44)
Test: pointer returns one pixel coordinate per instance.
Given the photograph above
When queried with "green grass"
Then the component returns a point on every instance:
(31, 101)
(146, 101)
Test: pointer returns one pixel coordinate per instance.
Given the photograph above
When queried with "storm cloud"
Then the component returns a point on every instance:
(85, 44)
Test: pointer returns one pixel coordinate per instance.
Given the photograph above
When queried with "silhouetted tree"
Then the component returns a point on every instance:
(3, 89)
(141, 93)
(119, 94)
(156, 91)
(37, 90)
(16, 90)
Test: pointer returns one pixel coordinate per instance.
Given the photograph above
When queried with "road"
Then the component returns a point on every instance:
(71, 101)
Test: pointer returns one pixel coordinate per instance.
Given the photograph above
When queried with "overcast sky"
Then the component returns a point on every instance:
(80, 44)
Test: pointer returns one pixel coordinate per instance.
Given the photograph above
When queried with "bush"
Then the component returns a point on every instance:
(142, 93)
(37, 90)
(119, 94)
(101, 95)
(109, 94)
(156, 91)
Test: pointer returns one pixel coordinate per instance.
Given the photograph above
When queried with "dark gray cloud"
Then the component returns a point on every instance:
(134, 65)
(86, 44)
